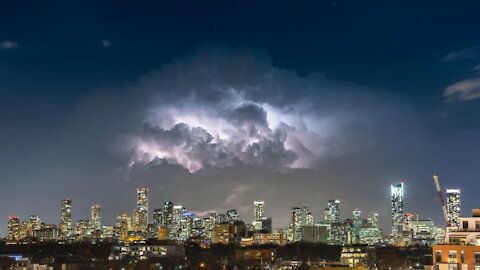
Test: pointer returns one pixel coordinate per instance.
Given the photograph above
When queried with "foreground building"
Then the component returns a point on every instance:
(462, 246)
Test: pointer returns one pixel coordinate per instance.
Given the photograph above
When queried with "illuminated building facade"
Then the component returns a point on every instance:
(357, 225)
(140, 213)
(453, 207)
(108, 232)
(232, 215)
(269, 238)
(167, 219)
(175, 228)
(66, 218)
(370, 236)
(258, 214)
(332, 212)
(396, 193)
(123, 226)
(461, 249)
(373, 220)
(96, 215)
(83, 229)
(34, 224)
(296, 226)
(340, 234)
(14, 229)
(158, 217)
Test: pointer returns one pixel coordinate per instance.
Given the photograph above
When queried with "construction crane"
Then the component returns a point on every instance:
(442, 202)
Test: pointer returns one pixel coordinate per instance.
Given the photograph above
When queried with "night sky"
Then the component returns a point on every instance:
(214, 104)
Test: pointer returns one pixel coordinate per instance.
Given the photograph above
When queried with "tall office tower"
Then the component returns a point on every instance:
(123, 226)
(140, 223)
(158, 218)
(142, 198)
(35, 222)
(332, 212)
(140, 213)
(209, 225)
(267, 224)
(198, 227)
(167, 215)
(373, 220)
(185, 226)
(296, 225)
(258, 213)
(14, 228)
(453, 207)
(232, 215)
(96, 224)
(66, 218)
(397, 208)
(357, 218)
(308, 217)
(175, 228)
(258, 210)
(357, 225)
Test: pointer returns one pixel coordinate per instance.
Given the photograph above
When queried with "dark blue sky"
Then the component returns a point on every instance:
(73, 79)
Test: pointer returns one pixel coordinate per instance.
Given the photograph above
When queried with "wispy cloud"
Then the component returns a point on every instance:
(237, 193)
(106, 43)
(468, 89)
(467, 53)
(8, 44)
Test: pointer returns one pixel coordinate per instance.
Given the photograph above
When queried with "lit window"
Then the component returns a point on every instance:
(452, 256)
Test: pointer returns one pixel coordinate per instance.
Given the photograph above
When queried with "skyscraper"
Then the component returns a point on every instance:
(296, 227)
(35, 222)
(357, 225)
(66, 218)
(142, 199)
(301, 217)
(232, 215)
(176, 227)
(96, 221)
(258, 210)
(123, 226)
(332, 212)
(373, 220)
(14, 230)
(453, 206)
(158, 218)
(258, 214)
(396, 192)
(167, 217)
(140, 214)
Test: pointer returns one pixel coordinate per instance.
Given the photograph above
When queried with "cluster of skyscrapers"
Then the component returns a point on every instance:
(408, 229)
(174, 222)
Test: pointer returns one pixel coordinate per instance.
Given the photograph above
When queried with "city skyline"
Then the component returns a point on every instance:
(215, 105)
(301, 216)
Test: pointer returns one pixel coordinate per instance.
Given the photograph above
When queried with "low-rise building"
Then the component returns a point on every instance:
(461, 249)
(277, 238)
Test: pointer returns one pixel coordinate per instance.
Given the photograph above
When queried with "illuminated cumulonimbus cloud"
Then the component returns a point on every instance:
(229, 109)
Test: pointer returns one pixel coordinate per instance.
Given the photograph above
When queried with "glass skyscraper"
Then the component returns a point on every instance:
(453, 207)
(397, 208)
(332, 212)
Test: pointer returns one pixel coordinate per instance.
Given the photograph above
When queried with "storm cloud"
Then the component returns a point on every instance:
(221, 127)
(218, 108)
